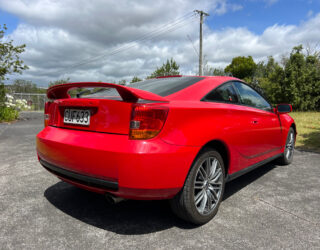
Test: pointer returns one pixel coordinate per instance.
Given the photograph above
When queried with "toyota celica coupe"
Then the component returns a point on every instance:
(179, 138)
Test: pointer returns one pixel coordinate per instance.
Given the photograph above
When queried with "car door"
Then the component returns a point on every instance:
(261, 125)
(227, 118)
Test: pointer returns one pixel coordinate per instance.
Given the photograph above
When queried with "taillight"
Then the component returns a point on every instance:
(147, 121)
(46, 113)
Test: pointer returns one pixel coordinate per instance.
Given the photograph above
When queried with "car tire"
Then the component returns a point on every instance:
(287, 156)
(200, 198)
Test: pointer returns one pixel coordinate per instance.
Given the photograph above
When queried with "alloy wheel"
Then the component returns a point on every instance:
(208, 185)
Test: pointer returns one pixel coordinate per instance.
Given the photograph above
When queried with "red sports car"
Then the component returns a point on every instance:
(179, 138)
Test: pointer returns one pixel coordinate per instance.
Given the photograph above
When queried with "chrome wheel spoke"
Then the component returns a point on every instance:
(213, 168)
(214, 194)
(291, 139)
(288, 153)
(199, 197)
(216, 185)
(203, 173)
(210, 200)
(198, 184)
(216, 176)
(290, 146)
(203, 202)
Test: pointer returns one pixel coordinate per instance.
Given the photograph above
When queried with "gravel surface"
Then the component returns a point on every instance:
(272, 207)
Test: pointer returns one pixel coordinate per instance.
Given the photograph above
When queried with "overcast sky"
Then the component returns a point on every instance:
(110, 40)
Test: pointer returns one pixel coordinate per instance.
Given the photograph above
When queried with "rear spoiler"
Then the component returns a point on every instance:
(128, 94)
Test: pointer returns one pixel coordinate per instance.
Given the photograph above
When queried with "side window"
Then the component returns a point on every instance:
(250, 97)
(225, 93)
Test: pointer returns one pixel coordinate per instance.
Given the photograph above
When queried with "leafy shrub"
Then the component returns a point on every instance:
(2, 94)
(8, 114)
(9, 108)
(296, 80)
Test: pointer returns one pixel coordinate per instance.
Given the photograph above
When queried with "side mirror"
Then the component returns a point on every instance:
(283, 108)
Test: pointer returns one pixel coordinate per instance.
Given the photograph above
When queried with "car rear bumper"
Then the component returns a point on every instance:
(101, 162)
(79, 178)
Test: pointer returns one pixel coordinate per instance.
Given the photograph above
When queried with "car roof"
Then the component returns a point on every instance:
(198, 90)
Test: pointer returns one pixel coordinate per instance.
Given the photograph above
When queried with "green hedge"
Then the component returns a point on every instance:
(8, 114)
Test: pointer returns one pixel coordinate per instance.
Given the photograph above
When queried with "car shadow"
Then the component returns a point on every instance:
(129, 217)
(239, 183)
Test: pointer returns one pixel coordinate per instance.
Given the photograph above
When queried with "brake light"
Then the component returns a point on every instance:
(147, 121)
(46, 113)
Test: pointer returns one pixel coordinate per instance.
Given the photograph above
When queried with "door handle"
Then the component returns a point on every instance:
(255, 122)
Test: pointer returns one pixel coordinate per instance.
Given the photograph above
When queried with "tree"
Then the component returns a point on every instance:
(2, 95)
(23, 86)
(266, 79)
(272, 85)
(295, 81)
(135, 79)
(170, 68)
(10, 61)
(218, 72)
(264, 70)
(241, 67)
(301, 84)
(60, 81)
(122, 82)
(210, 71)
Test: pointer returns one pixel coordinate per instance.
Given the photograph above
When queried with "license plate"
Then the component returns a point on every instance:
(77, 116)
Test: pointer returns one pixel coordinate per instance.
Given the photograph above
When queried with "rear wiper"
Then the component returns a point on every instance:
(83, 92)
(94, 91)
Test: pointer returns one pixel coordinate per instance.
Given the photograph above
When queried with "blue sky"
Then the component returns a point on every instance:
(10, 20)
(258, 15)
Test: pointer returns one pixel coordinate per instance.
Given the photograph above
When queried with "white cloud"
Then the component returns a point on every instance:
(276, 40)
(61, 33)
(223, 7)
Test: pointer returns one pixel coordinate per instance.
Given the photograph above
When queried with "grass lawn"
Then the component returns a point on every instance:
(308, 126)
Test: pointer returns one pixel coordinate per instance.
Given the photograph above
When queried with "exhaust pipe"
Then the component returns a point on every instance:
(111, 199)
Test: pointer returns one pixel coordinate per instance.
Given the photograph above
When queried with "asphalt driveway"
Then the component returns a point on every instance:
(272, 207)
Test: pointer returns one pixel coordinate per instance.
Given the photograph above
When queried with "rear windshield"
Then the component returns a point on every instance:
(159, 86)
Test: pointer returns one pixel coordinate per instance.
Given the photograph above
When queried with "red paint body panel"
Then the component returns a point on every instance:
(286, 123)
(136, 164)
(228, 123)
(156, 168)
(109, 116)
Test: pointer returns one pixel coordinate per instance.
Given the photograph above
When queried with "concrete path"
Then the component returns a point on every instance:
(271, 208)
